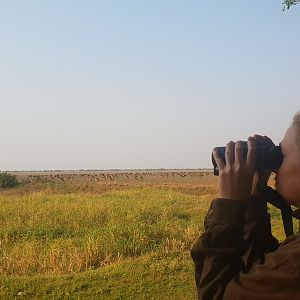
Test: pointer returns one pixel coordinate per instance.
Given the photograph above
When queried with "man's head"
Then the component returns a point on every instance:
(288, 175)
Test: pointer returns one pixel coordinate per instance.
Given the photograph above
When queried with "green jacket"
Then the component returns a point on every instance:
(238, 258)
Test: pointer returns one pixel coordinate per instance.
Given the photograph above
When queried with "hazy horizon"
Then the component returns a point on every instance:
(105, 170)
(142, 85)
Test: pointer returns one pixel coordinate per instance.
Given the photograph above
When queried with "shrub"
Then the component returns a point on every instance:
(8, 181)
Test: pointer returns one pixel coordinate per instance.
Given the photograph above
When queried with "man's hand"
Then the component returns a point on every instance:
(236, 174)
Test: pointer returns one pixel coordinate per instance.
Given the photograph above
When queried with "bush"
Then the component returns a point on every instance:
(8, 181)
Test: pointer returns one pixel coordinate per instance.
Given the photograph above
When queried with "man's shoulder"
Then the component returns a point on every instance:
(287, 253)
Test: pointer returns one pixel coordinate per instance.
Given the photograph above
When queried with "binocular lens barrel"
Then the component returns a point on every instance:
(267, 158)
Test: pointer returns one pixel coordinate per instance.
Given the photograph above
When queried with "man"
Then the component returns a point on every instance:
(237, 257)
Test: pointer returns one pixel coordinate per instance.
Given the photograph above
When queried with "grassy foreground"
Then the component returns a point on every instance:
(114, 245)
(149, 277)
(129, 243)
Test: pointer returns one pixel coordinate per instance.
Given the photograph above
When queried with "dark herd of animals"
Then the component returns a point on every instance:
(114, 176)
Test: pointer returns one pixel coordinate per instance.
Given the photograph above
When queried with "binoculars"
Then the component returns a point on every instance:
(267, 157)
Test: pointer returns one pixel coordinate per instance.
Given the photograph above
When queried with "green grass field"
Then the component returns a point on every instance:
(99, 241)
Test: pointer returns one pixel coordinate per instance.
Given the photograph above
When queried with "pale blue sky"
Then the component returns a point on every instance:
(142, 84)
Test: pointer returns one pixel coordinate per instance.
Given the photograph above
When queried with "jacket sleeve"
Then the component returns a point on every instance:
(236, 235)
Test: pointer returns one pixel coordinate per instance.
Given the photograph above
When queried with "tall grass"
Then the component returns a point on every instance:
(68, 233)
(48, 233)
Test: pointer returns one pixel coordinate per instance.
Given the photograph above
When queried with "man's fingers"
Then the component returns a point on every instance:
(257, 136)
(262, 140)
(239, 152)
(258, 139)
(251, 155)
(229, 153)
(219, 161)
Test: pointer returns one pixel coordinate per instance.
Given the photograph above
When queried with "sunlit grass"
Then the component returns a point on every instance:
(56, 244)
(57, 234)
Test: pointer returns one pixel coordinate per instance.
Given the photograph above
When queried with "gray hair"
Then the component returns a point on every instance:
(296, 124)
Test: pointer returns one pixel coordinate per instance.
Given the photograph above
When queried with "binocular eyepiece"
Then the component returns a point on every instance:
(267, 157)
